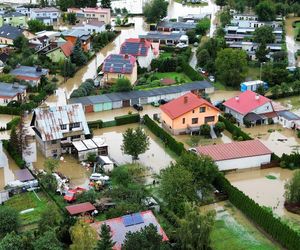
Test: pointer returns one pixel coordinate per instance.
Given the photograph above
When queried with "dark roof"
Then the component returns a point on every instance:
(252, 117)
(117, 63)
(24, 175)
(288, 115)
(119, 96)
(13, 14)
(80, 208)
(11, 90)
(10, 32)
(135, 47)
(4, 57)
(177, 25)
(165, 36)
(28, 71)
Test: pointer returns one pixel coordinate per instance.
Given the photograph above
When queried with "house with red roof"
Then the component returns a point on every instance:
(117, 66)
(60, 53)
(237, 155)
(187, 113)
(142, 49)
(250, 106)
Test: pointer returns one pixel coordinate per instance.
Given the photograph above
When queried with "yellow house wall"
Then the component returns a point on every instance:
(112, 77)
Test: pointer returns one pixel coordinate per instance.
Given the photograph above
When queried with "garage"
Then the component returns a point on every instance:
(125, 103)
(237, 155)
(88, 108)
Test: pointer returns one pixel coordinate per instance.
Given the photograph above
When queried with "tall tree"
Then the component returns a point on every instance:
(106, 4)
(203, 26)
(231, 66)
(261, 53)
(195, 228)
(292, 189)
(71, 18)
(11, 241)
(15, 141)
(122, 85)
(264, 34)
(20, 42)
(78, 57)
(265, 10)
(50, 219)
(105, 242)
(47, 241)
(83, 236)
(9, 220)
(155, 10)
(135, 142)
(51, 165)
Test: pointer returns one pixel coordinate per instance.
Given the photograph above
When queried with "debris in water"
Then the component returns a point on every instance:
(271, 177)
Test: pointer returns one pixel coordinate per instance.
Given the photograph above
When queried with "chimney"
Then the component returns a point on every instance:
(257, 97)
(185, 100)
(237, 98)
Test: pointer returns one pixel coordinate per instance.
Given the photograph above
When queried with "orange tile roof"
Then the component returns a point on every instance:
(67, 48)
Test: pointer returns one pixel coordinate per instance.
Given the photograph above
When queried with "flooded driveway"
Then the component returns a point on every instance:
(278, 139)
(265, 191)
(156, 158)
(7, 169)
(291, 44)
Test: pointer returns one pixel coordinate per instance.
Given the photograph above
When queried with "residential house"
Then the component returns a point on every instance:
(117, 66)
(171, 38)
(23, 10)
(194, 17)
(13, 18)
(167, 26)
(32, 75)
(84, 37)
(11, 92)
(187, 113)
(251, 106)
(48, 15)
(43, 39)
(92, 26)
(288, 119)
(60, 53)
(100, 14)
(8, 33)
(120, 226)
(140, 48)
(3, 59)
(57, 127)
(237, 155)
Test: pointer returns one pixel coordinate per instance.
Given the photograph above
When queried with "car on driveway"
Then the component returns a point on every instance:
(138, 107)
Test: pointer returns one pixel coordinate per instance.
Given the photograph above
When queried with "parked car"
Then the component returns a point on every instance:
(211, 78)
(71, 194)
(162, 101)
(181, 45)
(155, 104)
(138, 107)
(99, 177)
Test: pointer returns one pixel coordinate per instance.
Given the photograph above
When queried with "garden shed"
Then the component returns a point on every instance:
(116, 100)
(101, 103)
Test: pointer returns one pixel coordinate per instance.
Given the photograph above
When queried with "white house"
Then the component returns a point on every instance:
(48, 15)
(92, 26)
(288, 119)
(140, 48)
(237, 155)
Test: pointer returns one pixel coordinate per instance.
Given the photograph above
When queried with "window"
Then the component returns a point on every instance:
(193, 111)
(209, 119)
(53, 142)
(183, 120)
(74, 125)
(202, 110)
(63, 126)
(194, 120)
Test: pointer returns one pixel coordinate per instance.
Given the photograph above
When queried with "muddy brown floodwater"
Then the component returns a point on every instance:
(266, 192)
(220, 95)
(291, 44)
(7, 169)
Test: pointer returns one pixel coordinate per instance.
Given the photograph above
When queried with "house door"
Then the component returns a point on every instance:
(126, 103)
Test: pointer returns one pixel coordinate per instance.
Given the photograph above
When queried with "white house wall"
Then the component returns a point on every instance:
(243, 163)
(145, 61)
(266, 108)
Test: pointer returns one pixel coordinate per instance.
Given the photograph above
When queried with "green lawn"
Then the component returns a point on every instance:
(165, 55)
(221, 86)
(173, 75)
(29, 200)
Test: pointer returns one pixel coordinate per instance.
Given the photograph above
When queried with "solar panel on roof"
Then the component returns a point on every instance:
(137, 218)
(127, 220)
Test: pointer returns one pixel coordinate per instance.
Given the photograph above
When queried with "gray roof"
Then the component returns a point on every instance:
(24, 175)
(177, 25)
(11, 90)
(118, 63)
(28, 71)
(13, 14)
(120, 96)
(165, 36)
(288, 115)
(46, 9)
(76, 33)
(10, 32)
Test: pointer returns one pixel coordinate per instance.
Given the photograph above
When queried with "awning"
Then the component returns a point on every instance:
(252, 117)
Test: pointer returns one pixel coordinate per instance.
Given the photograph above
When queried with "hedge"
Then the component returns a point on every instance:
(169, 141)
(291, 161)
(190, 72)
(13, 153)
(14, 122)
(10, 110)
(127, 119)
(263, 217)
(234, 130)
(95, 124)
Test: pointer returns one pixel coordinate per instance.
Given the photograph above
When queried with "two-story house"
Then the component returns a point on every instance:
(13, 18)
(97, 13)
(84, 37)
(11, 92)
(8, 33)
(48, 15)
(140, 48)
(187, 113)
(57, 127)
(92, 26)
(117, 66)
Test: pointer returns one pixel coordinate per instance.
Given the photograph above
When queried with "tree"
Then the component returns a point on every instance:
(78, 57)
(49, 182)
(71, 18)
(261, 53)
(51, 165)
(50, 219)
(202, 57)
(231, 66)
(47, 241)
(9, 220)
(122, 85)
(20, 42)
(35, 25)
(106, 4)
(225, 18)
(83, 236)
(155, 10)
(135, 142)
(195, 229)
(265, 10)
(292, 189)
(105, 242)
(192, 36)
(146, 239)
(203, 26)
(221, 2)
(65, 4)
(205, 130)
(11, 241)
(264, 34)
(177, 186)
(15, 140)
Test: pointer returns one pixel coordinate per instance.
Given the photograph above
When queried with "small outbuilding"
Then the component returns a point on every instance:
(81, 208)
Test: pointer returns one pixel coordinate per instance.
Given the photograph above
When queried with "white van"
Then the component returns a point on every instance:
(106, 163)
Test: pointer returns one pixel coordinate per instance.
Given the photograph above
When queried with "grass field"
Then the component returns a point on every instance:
(165, 55)
(173, 75)
(28, 200)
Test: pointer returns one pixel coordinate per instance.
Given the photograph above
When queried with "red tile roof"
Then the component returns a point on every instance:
(67, 48)
(80, 208)
(234, 150)
(179, 106)
(246, 102)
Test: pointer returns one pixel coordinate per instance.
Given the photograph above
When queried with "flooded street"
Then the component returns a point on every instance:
(269, 135)
(291, 44)
(265, 191)
(220, 95)
(8, 166)
(156, 158)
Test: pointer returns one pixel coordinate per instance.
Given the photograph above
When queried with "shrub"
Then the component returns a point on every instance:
(219, 127)
(127, 119)
(178, 69)
(95, 124)
(205, 130)
(233, 129)
(11, 149)
(14, 122)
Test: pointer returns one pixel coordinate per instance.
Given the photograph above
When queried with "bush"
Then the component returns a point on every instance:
(95, 124)
(10, 110)
(205, 130)
(127, 119)
(11, 149)
(178, 69)
(169, 141)
(291, 161)
(190, 72)
(13, 123)
(234, 130)
(219, 127)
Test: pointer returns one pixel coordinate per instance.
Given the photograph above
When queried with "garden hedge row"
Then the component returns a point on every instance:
(234, 130)
(190, 72)
(170, 142)
(13, 123)
(10, 110)
(263, 217)
(95, 124)
(13, 153)
(127, 119)
(291, 161)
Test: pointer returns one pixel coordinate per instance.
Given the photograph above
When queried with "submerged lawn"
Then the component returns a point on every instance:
(173, 75)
